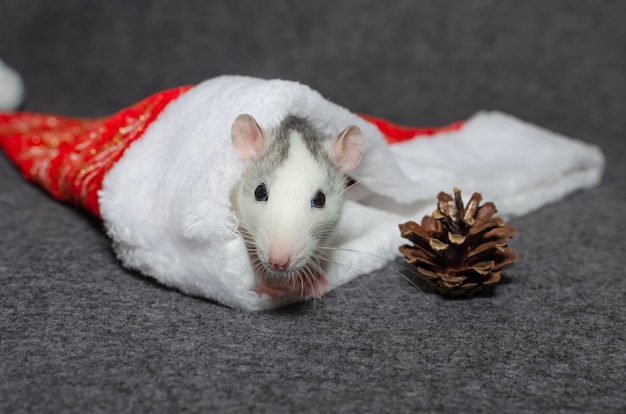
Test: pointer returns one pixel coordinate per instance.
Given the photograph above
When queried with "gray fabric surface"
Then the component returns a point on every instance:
(78, 333)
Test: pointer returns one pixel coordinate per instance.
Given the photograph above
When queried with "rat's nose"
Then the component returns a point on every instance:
(280, 262)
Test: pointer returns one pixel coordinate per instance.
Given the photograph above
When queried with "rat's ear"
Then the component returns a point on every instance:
(347, 149)
(248, 138)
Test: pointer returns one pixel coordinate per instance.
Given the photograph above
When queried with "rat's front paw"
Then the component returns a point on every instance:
(303, 287)
(273, 292)
(316, 285)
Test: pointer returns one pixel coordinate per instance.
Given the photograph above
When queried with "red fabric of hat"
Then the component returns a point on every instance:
(69, 157)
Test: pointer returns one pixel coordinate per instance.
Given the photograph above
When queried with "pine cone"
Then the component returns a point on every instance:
(459, 250)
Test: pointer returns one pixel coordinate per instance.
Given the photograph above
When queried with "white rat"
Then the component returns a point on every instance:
(290, 198)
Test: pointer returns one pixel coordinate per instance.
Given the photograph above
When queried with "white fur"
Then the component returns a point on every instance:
(166, 202)
(11, 88)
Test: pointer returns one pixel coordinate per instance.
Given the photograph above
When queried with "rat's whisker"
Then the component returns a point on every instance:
(394, 267)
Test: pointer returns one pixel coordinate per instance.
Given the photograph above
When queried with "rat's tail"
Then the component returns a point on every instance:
(11, 88)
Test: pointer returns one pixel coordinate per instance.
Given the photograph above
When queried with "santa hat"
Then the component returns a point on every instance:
(159, 174)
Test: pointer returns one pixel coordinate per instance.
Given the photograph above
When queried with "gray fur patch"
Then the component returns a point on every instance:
(313, 140)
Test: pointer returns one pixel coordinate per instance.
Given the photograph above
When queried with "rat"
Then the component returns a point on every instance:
(289, 199)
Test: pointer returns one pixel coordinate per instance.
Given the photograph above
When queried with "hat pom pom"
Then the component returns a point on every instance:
(11, 88)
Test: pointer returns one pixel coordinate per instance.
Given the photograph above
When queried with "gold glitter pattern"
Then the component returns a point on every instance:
(69, 157)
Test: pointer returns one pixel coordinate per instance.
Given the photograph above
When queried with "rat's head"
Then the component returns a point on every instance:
(290, 196)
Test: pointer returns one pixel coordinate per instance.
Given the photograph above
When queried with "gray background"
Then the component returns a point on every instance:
(78, 333)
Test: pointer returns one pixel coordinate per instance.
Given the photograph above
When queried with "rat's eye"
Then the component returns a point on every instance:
(318, 200)
(260, 193)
